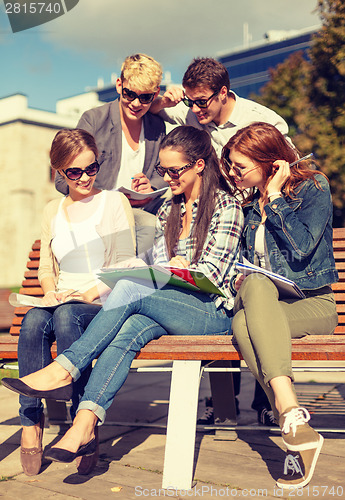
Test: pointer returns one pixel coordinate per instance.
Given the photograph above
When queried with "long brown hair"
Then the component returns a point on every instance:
(263, 144)
(69, 143)
(194, 144)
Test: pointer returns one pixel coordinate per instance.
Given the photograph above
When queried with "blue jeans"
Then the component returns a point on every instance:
(133, 315)
(40, 328)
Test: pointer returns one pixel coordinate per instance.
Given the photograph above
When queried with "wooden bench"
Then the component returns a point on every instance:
(187, 353)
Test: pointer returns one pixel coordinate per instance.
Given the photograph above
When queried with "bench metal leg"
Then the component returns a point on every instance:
(57, 416)
(180, 440)
(223, 398)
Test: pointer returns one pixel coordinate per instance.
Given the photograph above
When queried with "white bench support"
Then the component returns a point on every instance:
(181, 429)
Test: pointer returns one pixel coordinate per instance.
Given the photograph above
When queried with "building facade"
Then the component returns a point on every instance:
(249, 67)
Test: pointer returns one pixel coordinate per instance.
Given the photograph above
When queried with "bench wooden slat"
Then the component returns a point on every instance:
(215, 347)
(32, 264)
(36, 245)
(224, 347)
(31, 274)
(339, 232)
(20, 313)
(14, 331)
(8, 347)
(31, 282)
(35, 291)
(339, 288)
(338, 244)
(17, 321)
(34, 255)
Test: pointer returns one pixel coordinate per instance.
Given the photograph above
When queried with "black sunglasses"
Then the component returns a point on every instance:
(174, 173)
(201, 103)
(75, 173)
(129, 95)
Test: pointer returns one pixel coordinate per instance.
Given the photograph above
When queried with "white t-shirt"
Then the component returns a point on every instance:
(77, 246)
(132, 161)
(261, 258)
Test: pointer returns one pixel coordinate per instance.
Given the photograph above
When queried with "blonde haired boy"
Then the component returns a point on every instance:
(142, 72)
(127, 135)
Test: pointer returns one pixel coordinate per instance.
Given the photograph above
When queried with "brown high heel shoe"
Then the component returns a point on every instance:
(31, 458)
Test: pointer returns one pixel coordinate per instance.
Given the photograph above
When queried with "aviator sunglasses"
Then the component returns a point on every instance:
(129, 95)
(75, 173)
(240, 173)
(174, 173)
(201, 103)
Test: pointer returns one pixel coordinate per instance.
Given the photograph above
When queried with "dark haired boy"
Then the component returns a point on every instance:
(206, 101)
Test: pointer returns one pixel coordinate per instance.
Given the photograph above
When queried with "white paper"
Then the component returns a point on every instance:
(286, 287)
(134, 195)
(20, 300)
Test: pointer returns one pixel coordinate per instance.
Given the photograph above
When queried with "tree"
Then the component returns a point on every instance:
(310, 95)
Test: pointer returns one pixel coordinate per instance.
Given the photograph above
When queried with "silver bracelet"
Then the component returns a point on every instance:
(50, 291)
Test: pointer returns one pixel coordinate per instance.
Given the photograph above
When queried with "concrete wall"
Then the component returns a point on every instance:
(25, 188)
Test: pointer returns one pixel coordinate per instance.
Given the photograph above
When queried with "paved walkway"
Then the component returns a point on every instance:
(131, 458)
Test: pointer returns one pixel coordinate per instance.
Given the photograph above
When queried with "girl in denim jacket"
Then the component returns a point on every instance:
(288, 230)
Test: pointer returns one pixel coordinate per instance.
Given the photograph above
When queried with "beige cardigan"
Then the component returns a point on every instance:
(118, 236)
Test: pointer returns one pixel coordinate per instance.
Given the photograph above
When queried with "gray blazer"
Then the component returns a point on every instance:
(104, 124)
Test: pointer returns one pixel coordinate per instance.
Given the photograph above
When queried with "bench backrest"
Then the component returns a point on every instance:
(31, 286)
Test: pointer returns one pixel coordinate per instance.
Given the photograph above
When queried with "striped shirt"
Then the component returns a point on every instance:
(221, 247)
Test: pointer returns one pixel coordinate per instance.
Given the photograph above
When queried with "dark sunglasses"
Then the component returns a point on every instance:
(201, 103)
(174, 173)
(129, 95)
(75, 173)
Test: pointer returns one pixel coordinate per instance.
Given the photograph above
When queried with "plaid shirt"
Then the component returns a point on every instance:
(221, 247)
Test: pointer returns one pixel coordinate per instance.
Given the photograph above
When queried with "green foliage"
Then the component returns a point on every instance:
(310, 95)
(9, 373)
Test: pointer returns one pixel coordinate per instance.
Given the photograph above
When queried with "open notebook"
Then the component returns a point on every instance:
(286, 287)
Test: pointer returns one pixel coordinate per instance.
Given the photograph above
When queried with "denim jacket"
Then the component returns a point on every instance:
(298, 234)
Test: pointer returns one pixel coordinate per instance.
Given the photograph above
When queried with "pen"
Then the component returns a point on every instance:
(301, 159)
(74, 291)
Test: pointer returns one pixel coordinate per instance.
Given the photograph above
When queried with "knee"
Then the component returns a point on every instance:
(125, 292)
(36, 326)
(259, 285)
(238, 325)
(34, 321)
(64, 314)
(68, 325)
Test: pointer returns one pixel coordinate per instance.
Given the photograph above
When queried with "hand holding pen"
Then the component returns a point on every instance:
(281, 173)
(141, 183)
